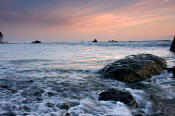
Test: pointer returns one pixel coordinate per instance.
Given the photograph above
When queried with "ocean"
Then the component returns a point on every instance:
(52, 79)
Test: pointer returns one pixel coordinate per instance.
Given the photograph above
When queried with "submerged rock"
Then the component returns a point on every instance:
(118, 95)
(69, 104)
(172, 48)
(8, 114)
(37, 41)
(172, 70)
(134, 68)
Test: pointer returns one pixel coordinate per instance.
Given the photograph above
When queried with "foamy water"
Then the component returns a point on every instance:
(36, 79)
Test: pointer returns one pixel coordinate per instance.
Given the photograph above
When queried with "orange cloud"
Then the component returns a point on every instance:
(134, 14)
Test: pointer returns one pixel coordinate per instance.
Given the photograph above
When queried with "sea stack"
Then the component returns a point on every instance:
(95, 41)
(172, 49)
(37, 41)
(1, 37)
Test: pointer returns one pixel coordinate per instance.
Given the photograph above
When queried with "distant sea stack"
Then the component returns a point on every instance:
(172, 49)
(112, 41)
(37, 41)
(1, 37)
(95, 41)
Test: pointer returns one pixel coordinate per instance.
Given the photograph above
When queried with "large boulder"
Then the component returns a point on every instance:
(172, 48)
(118, 95)
(134, 68)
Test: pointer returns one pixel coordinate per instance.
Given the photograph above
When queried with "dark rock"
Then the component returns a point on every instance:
(8, 114)
(95, 41)
(172, 48)
(67, 114)
(172, 70)
(134, 68)
(49, 104)
(65, 106)
(1, 37)
(160, 105)
(118, 95)
(5, 86)
(30, 81)
(50, 94)
(37, 41)
(13, 90)
(33, 91)
(25, 114)
(26, 108)
(112, 41)
(39, 99)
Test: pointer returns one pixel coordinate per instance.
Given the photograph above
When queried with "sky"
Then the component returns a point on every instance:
(85, 20)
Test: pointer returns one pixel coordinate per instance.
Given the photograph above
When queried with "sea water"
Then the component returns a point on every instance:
(52, 79)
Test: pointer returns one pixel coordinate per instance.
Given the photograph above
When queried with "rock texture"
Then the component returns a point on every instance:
(134, 68)
(118, 95)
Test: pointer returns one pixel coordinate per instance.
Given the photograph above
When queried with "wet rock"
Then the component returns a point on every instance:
(5, 86)
(13, 90)
(134, 68)
(161, 106)
(50, 104)
(50, 94)
(8, 114)
(33, 91)
(172, 48)
(67, 114)
(25, 114)
(68, 104)
(65, 106)
(30, 81)
(39, 99)
(172, 70)
(118, 95)
(26, 108)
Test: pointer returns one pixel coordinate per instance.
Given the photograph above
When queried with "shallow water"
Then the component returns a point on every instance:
(37, 79)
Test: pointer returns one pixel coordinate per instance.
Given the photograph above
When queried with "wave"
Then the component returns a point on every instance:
(157, 43)
(60, 70)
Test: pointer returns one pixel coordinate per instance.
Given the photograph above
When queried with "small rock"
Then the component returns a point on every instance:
(13, 90)
(5, 86)
(31, 81)
(67, 114)
(118, 95)
(8, 114)
(26, 108)
(65, 106)
(49, 104)
(50, 94)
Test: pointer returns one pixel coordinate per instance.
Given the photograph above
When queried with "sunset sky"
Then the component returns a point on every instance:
(84, 20)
